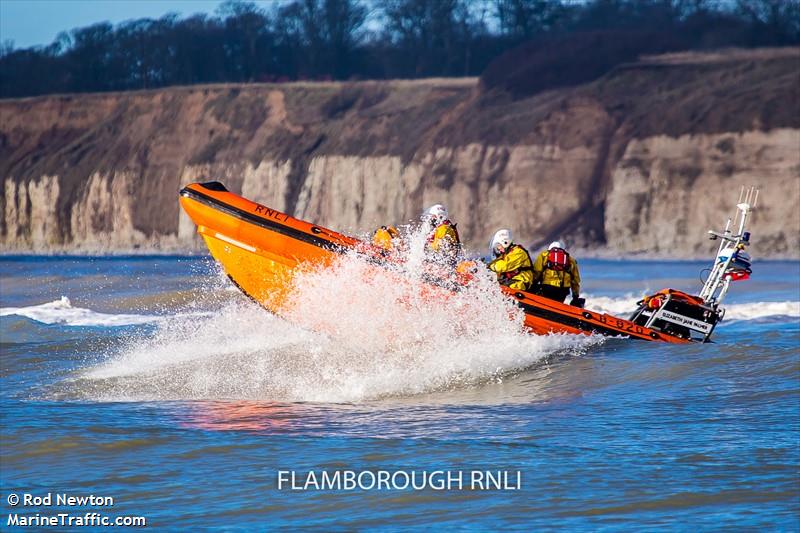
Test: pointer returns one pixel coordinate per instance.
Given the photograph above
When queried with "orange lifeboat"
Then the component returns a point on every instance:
(260, 249)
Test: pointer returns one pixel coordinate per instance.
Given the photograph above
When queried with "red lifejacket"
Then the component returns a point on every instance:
(558, 260)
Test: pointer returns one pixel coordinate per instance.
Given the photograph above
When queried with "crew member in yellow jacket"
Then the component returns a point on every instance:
(512, 263)
(556, 273)
(443, 245)
(384, 237)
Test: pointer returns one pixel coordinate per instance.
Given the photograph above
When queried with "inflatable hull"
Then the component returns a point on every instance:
(260, 249)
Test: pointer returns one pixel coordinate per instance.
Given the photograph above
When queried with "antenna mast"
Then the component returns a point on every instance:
(731, 260)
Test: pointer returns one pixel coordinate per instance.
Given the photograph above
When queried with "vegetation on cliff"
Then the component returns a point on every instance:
(366, 39)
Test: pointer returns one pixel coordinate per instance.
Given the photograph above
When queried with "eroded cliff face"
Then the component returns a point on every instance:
(665, 189)
(604, 167)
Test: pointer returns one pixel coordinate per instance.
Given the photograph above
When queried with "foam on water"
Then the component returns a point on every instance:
(756, 310)
(61, 311)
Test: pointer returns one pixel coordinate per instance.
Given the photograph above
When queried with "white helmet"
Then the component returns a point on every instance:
(435, 214)
(556, 244)
(501, 241)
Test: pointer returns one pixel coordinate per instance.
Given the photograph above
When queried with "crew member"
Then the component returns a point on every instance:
(556, 272)
(512, 263)
(443, 245)
(384, 237)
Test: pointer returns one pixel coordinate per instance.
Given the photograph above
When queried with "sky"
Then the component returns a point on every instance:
(37, 22)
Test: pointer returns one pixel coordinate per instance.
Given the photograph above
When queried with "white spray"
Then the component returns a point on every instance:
(353, 331)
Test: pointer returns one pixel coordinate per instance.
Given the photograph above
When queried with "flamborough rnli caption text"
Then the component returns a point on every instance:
(399, 480)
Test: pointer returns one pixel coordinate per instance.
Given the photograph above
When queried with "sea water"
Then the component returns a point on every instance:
(153, 382)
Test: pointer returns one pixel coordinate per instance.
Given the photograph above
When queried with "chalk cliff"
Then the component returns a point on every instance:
(641, 160)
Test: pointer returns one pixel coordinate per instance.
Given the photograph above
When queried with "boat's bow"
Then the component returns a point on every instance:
(258, 247)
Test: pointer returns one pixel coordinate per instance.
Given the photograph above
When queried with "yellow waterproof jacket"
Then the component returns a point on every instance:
(444, 245)
(383, 237)
(514, 268)
(569, 278)
(444, 237)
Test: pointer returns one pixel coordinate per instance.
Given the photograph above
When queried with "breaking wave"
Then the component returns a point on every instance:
(61, 311)
(757, 310)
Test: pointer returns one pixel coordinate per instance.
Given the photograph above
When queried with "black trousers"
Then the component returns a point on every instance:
(554, 293)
